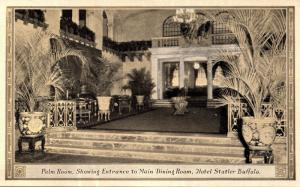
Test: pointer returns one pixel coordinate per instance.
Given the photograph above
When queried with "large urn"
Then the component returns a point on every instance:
(140, 99)
(104, 107)
(180, 105)
(32, 123)
(259, 134)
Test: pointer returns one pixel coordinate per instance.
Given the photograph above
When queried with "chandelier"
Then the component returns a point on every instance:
(185, 15)
(187, 18)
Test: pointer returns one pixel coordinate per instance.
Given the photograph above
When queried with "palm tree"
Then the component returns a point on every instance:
(257, 73)
(140, 82)
(37, 66)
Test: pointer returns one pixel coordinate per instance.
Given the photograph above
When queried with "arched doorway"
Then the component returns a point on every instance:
(220, 71)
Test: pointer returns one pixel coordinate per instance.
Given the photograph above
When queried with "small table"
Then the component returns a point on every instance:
(31, 141)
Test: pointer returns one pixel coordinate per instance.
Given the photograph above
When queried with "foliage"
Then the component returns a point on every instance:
(106, 74)
(140, 82)
(257, 69)
(37, 68)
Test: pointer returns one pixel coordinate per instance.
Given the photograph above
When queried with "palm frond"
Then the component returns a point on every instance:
(259, 70)
(37, 66)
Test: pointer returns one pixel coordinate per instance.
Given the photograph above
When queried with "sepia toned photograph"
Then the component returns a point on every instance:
(150, 93)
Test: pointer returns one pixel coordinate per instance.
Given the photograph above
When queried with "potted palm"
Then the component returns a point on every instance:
(104, 100)
(141, 84)
(38, 76)
(257, 71)
(106, 76)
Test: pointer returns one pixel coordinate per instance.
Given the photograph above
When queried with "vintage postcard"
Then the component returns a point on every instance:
(120, 93)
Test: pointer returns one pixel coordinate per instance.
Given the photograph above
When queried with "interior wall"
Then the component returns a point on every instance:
(126, 68)
(135, 25)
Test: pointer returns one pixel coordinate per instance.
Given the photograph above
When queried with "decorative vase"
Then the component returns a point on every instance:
(140, 99)
(104, 107)
(259, 134)
(180, 105)
(32, 123)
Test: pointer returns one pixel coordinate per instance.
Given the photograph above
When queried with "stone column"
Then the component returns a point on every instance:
(110, 28)
(110, 23)
(160, 79)
(209, 80)
(181, 73)
(75, 15)
(154, 75)
(94, 21)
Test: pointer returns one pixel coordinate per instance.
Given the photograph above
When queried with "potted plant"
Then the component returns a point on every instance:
(141, 84)
(257, 71)
(104, 100)
(37, 76)
(180, 103)
(106, 74)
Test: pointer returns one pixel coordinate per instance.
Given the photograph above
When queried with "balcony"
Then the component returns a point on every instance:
(211, 39)
(130, 49)
(72, 31)
(34, 16)
(130, 46)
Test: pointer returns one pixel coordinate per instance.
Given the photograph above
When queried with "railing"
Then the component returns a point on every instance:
(62, 114)
(166, 41)
(34, 16)
(221, 39)
(129, 46)
(70, 29)
(238, 110)
(75, 37)
(211, 39)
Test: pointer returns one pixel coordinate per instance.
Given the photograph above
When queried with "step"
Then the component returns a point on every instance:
(167, 104)
(215, 103)
(159, 137)
(149, 155)
(162, 106)
(148, 146)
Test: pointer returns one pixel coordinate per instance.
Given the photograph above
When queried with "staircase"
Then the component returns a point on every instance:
(215, 103)
(162, 103)
(153, 146)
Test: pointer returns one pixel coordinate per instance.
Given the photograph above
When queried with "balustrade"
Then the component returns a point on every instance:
(129, 46)
(211, 39)
(70, 29)
(62, 114)
(221, 39)
(240, 109)
(166, 41)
